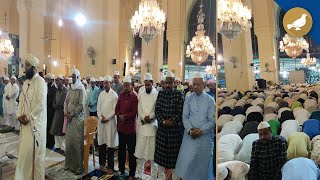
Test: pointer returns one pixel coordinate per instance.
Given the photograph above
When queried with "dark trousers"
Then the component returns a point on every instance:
(93, 114)
(127, 140)
(102, 156)
(50, 137)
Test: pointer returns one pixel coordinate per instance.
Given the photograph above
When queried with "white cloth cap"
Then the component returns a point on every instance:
(170, 74)
(127, 79)
(263, 125)
(92, 79)
(32, 60)
(101, 79)
(60, 77)
(6, 78)
(108, 78)
(116, 73)
(222, 172)
(13, 77)
(51, 76)
(148, 76)
(197, 75)
(178, 79)
(84, 82)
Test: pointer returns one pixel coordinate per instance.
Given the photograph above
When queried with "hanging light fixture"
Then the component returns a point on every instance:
(308, 61)
(133, 71)
(148, 21)
(6, 48)
(293, 46)
(233, 18)
(200, 46)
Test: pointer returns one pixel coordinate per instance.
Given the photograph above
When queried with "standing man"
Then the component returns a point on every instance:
(5, 102)
(198, 121)
(269, 154)
(147, 127)
(117, 86)
(58, 118)
(168, 111)
(93, 98)
(126, 111)
(107, 127)
(50, 109)
(12, 104)
(212, 88)
(74, 111)
(2, 86)
(32, 115)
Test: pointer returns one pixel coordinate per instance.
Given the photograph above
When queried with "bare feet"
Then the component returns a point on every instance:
(110, 172)
(130, 178)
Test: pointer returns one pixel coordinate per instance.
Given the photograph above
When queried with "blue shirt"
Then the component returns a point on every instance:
(311, 127)
(212, 94)
(93, 98)
(300, 168)
(198, 112)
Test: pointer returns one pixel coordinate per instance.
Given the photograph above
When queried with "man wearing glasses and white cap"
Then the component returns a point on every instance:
(269, 154)
(117, 86)
(32, 114)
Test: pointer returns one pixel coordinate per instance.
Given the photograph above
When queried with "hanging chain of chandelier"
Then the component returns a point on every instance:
(6, 48)
(200, 46)
(148, 21)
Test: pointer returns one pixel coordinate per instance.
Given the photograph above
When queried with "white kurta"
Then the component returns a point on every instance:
(5, 102)
(12, 104)
(33, 104)
(107, 132)
(146, 133)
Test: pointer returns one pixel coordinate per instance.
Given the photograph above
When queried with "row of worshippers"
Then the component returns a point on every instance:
(238, 123)
(155, 135)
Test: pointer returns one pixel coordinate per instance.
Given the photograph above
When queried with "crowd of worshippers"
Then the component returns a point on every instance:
(161, 122)
(269, 134)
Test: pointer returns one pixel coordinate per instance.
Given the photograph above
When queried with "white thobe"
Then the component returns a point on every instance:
(107, 132)
(232, 127)
(289, 127)
(12, 106)
(5, 104)
(228, 146)
(33, 104)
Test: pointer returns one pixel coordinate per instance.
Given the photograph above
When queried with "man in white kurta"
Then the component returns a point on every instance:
(107, 127)
(5, 103)
(32, 114)
(12, 105)
(147, 127)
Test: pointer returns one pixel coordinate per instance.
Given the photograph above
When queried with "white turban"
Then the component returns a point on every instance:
(32, 60)
(78, 84)
(76, 72)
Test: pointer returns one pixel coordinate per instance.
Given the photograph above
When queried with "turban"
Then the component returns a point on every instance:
(32, 60)
(76, 72)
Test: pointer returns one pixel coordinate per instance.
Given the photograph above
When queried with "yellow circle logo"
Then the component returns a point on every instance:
(297, 22)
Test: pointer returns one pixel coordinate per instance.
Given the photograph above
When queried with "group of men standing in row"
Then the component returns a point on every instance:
(147, 124)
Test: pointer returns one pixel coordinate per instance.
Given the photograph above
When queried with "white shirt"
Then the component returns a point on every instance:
(232, 127)
(107, 132)
(12, 104)
(5, 94)
(244, 154)
(146, 107)
(288, 127)
(238, 169)
(228, 146)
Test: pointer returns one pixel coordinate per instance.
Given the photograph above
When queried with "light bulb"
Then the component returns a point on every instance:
(60, 22)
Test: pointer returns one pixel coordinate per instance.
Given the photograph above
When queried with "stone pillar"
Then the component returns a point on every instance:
(239, 75)
(175, 35)
(31, 29)
(263, 13)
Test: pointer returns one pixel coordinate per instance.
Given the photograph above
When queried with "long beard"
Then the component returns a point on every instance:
(148, 91)
(29, 73)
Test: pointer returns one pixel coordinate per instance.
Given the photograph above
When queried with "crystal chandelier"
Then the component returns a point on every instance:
(200, 46)
(233, 17)
(293, 46)
(6, 47)
(148, 21)
(308, 61)
(133, 71)
(210, 70)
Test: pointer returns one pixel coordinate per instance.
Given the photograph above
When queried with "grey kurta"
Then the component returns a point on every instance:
(75, 102)
(58, 118)
(118, 88)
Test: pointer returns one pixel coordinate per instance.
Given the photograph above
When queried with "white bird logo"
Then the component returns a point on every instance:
(297, 24)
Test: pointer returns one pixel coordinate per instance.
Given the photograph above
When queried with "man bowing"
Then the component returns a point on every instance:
(32, 114)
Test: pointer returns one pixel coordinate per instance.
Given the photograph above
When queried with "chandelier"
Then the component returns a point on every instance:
(308, 61)
(233, 17)
(200, 46)
(133, 71)
(148, 20)
(210, 70)
(293, 46)
(6, 48)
